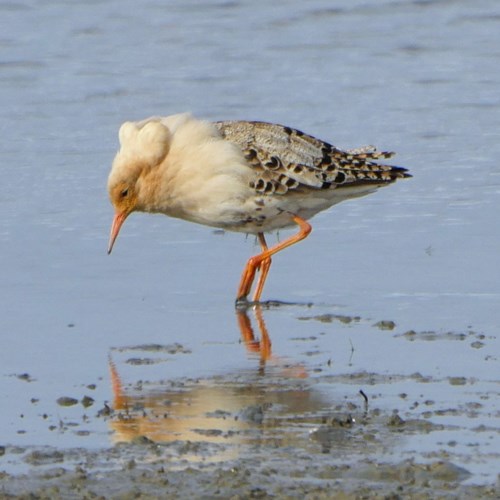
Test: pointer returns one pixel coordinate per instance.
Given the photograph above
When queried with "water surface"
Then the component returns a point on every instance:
(420, 78)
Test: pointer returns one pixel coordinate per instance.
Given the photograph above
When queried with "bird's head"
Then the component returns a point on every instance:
(143, 146)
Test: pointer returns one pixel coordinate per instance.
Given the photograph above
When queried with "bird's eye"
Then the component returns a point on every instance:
(124, 193)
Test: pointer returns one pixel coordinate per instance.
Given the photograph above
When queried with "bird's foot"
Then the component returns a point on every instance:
(243, 304)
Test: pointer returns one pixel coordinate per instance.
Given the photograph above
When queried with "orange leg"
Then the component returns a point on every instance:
(264, 269)
(263, 260)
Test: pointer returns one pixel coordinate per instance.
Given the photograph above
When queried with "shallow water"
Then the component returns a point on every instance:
(420, 78)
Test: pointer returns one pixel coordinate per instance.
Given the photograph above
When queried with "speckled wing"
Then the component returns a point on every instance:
(287, 159)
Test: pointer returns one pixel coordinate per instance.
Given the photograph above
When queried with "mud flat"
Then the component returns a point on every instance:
(278, 437)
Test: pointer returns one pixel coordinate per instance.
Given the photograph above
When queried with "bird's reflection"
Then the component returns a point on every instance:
(260, 346)
(222, 409)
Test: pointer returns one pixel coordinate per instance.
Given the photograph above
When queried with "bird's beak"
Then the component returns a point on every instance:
(118, 220)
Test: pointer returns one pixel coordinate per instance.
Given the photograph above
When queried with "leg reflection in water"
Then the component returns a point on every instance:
(210, 409)
(253, 344)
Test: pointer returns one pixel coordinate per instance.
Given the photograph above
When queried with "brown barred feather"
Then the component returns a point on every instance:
(287, 159)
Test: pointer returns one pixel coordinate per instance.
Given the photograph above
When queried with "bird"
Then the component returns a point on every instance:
(251, 177)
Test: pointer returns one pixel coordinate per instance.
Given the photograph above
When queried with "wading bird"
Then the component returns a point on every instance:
(245, 176)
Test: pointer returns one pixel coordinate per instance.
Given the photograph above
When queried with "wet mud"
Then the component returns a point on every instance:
(285, 430)
(223, 438)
